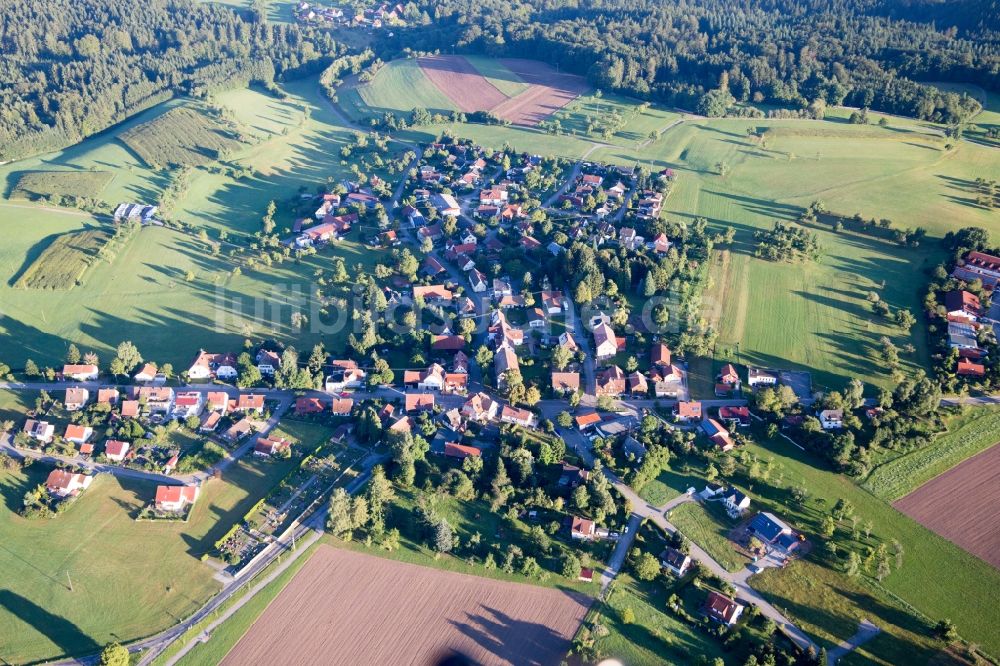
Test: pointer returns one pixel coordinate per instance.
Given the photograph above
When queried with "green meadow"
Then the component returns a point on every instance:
(93, 575)
(398, 87)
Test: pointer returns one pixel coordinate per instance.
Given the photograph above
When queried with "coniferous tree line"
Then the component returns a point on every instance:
(864, 53)
(70, 69)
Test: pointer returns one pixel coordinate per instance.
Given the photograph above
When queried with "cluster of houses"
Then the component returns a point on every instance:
(375, 17)
(967, 315)
(64, 484)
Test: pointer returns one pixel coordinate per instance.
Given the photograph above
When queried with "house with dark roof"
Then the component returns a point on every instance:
(675, 561)
(768, 528)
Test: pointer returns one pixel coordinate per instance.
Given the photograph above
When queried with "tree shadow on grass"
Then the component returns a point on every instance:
(63, 633)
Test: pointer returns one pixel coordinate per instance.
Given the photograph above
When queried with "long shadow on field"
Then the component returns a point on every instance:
(59, 630)
(513, 640)
(30, 256)
(762, 206)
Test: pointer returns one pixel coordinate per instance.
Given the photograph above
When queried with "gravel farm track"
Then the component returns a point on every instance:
(370, 610)
(547, 92)
(960, 505)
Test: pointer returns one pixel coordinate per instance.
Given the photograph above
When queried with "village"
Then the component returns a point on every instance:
(522, 369)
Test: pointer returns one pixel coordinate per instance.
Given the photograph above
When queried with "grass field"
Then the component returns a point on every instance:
(55, 183)
(968, 434)
(181, 136)
(697, 523)
(129, 579)
(145, 297)
(64, 260)
(966, 593)
(399, 87)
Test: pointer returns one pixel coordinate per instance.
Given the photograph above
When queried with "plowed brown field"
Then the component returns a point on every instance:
(960, 505)
(549, 92)
(344, 607)
(461, 82)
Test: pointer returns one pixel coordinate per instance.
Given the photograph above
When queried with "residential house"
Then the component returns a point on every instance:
(76, 398)
(610, 381)
(130, 409)
(629, 239)
(63, 483)
(477, 281)
(402, 425)
(979, 266)
(605, 343)
(735, 502)
(146, 374)
(116, 450)
(536, 318)
(966, 368)
(553, 302)
(567, 340)
(962, 336)
(157, 399)
(41, 431)
(432, 266)
(419, 402)
(727, 381)
(435, 293)
(831, 419)
(768, 528)
(456, 382)
(239, 430)
(80, 373)
(174, 499)
(633, 448)
(446, 205)
(962, 305)
(107, 396)
(737, 415)
(585, 422)
(581, 528)
(722, 609)
(345, 375)
(207, 365)
(521, 417)
(459, 451)
(565, 382)
(447, 342)
(189, 403)
(660, 244)
(248, 402)
(494, 196)
(718, 434)
(267, 362)
(659, 355)
(210, 421)
(342, 406)
(675, 561)
(78, 434)
(431, 379)
(637, 384)
(267, 447)
(304, 406)
(572, 476)
(687, 411)
(504, 361)
(480, 407)
(217, 401)
(668, 381)
(760, 377)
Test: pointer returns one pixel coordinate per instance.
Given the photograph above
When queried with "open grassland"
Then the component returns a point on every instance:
(14, 404)
(146, 297)
(55, 183)
(181, 136)
(129, 579)
(398, 87)
(937, 578)
(960, 505)
(814, 316)
(697, 523)
(64, 260)
(828, 606)
(968, 434)
(362, 607)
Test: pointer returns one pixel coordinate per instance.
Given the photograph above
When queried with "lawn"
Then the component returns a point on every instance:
(656, 637)
(966, 593)
(129, 579)
(55, 183)
(707, 527)
(968, 433)
(669, 484)
(64, 260)
(182, 136)
(399, 87)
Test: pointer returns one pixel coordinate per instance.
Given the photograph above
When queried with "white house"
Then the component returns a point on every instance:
(62, 483)
(175, 498)
(267, 361)
(735, 502)
(80, 373)
(42, 431)
(207, 365)
(189, 403)
(675, 561)
(605, 342)
(831, 419)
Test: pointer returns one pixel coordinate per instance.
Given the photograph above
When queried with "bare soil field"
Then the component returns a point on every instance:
(351, 608)
(461, 82)
(960, 505)
(549, 91)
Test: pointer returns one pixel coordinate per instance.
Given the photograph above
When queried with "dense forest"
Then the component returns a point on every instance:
(70, 69)
(865, 53)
